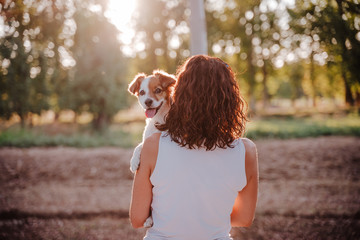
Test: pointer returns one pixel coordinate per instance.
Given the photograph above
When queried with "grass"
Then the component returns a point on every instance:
(303, 127)
(81, 136)
(128, 135)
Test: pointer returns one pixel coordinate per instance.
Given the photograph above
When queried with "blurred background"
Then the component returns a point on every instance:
(71, 61)
(65, 66)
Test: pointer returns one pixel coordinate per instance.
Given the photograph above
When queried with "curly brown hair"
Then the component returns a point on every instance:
(208, 110)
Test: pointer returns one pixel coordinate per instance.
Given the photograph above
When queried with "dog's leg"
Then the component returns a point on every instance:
(135, 159)
(148, 223)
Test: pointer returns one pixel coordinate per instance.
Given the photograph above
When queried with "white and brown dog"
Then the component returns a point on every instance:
(153, 93)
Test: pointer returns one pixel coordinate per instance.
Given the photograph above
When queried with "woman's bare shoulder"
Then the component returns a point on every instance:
(251, 158)
(249, 145)
(152, 141)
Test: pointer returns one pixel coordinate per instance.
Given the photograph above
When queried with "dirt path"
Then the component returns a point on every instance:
(309, 189)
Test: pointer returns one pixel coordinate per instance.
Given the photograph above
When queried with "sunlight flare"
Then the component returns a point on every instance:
(119, 13)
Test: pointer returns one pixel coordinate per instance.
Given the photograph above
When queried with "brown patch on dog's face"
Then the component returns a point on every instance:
(161, 85)
(156, 89)
(134, 86)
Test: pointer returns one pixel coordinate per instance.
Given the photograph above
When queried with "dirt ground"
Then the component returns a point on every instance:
(309, 189)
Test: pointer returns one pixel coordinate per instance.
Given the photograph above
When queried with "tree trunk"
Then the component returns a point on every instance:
(198, 34)
(357, 100)
(312, 79)
(251, 74)
(22, 122)
(330, 76)
(30, 119)
(100, 122)
(349, 99)
(75, 119)
(57, 115)
(265, 88)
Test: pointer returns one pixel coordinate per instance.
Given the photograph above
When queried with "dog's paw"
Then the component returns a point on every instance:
(148, 223)
(134, 164)
(135, 159)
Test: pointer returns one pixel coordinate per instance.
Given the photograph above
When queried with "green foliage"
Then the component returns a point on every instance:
(332, 26)
(303, 127)
(98, 82)
(157, 25)
(129, 135)
(24, 76)
(65, 55)
(228, 26)
(296, 76)
(60, 56)
(84, 137)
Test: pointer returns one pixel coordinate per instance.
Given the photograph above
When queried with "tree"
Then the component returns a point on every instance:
(245, 33)
(296, 75)
(333, 25)
(266, 36)
(60, 55)
(96, 83)
(163, 34)
(198, 36)
(26, 56)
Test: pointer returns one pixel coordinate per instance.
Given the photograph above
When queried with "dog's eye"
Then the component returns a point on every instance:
(142, 92)
(157, 91)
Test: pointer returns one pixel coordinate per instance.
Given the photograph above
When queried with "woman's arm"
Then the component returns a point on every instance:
(142, 188)
(244, 208)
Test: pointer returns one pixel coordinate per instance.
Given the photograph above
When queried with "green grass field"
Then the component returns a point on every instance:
(303, 127)
(129, 134)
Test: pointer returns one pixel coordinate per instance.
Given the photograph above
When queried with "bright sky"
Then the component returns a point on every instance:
(119, 12)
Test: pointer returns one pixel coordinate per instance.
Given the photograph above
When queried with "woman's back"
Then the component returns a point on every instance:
(194, 190)
(192, 193)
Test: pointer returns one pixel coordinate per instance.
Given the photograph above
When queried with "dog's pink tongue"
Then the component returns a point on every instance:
(150, 113)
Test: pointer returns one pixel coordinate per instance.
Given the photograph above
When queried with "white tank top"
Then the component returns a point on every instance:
(194, 191)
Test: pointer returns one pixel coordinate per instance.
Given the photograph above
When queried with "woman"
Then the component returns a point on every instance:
(198, 177)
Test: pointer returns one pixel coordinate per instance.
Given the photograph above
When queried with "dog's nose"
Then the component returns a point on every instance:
(148, 102)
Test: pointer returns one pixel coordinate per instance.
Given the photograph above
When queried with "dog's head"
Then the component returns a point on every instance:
(152, 91)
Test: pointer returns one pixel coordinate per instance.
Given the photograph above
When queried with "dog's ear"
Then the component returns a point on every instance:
(166, 79)
(134, 86)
